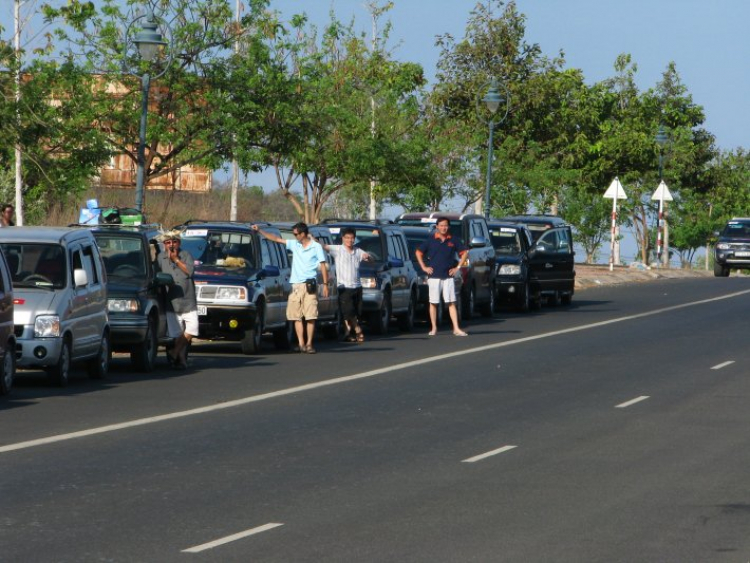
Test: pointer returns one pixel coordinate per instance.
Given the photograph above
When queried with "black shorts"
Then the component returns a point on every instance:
(350, 302)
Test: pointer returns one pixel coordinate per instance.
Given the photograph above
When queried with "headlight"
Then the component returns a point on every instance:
(122, 305)
(369, 283)
(510, 270)
(231, 293)
(46, 326)
(722, 246)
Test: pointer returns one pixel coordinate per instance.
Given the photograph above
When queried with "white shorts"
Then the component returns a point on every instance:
(446, 288)
(179, 323)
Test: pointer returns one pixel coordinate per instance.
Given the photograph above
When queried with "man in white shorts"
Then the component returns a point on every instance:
(182, 307)
(439, 252)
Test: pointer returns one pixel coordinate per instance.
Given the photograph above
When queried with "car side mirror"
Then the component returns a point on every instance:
(478, 242)
(79, 277)
(163, 279)
(395, 262)
(270, 271)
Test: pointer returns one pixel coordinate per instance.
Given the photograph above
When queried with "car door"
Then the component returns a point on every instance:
(76, 318)
(551, 259)
(399, 282)
(274, 289)
(327, 305)
(6, 308)
(482, 258)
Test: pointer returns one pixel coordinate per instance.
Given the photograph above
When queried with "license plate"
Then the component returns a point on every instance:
(742, 254)
(202, 310)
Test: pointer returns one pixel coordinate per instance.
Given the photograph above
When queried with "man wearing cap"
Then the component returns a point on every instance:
(182, 307)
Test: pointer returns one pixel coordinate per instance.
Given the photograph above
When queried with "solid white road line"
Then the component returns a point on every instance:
(632, 402)
(488, 454)
(348, 378)
(233, 537)
(723, 365)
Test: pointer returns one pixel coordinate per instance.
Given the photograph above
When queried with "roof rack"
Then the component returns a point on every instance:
(220, 222)
(370, 221)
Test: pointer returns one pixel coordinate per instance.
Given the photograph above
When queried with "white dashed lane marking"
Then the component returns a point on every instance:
(233, 537)
(632, 402)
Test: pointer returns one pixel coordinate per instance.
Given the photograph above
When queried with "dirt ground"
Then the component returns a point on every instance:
(588, 275)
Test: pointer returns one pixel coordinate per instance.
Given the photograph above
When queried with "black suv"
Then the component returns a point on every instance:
(551, 258)
(241, 282)
(479, 276)
(389, 281)
(512, 242)
(732, 248)
(135, 298)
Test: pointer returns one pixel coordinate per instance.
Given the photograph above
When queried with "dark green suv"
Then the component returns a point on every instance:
(135, 297)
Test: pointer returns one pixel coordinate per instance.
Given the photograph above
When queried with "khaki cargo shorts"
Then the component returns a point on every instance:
(302, 305)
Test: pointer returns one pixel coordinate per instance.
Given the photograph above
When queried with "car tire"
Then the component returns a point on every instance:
(406, 320)
(720, 271)
(468, 302)
(283, 337)
(59, 374)
(335, 330)
(381, 319)
(9, 369)
(98, 367)
(523, 305)
(566, 297)
(143, 357)
(252, 339)
(488, 308)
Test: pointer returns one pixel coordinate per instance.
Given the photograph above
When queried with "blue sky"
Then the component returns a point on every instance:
(708, 41)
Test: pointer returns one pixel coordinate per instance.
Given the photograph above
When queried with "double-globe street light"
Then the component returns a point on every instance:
(149, 43)
(492, 100)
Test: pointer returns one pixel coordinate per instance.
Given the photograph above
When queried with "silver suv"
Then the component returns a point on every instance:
(60, 295)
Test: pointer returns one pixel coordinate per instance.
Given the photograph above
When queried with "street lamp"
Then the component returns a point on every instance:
(492, 100)
(149, 43)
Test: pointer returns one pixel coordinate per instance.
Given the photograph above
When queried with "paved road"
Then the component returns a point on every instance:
(613, 430)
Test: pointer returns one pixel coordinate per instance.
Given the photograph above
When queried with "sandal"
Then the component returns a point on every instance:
(359, 338)
(351, 338)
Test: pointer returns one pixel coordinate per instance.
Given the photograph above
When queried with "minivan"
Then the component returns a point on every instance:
(60, 300)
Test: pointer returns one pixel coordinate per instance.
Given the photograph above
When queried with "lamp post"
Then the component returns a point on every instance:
(661, 140)
(492, 101)
(149, 43)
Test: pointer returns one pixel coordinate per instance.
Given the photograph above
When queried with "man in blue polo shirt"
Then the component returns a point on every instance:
(302, 306)
(437, 257)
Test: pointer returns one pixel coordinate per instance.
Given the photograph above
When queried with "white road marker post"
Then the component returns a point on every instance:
(663, 194)
(614, 192)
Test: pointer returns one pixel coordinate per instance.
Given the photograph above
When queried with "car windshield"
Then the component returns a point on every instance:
(36, 265)
(224, 249)
(505, 240)
(736, 229)
(124, 257)
(366, 239)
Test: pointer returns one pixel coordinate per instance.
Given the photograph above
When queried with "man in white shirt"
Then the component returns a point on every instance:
(348, 258)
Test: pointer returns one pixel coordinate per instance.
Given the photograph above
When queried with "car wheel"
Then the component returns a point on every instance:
(98, 367)
(283, 338)
(335, 330)
(381, 319)
(406, 320)
(566, 298)
(251, 340)
(143, 357)
(720, 271)
(489, 307)
(9, 369)
(59, 374)
(468, 302)
(524, 299)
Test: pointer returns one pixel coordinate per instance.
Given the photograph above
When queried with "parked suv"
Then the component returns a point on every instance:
(329, 314)
(60, 295)
(7, 329)
(551, 259)
(512, 242)
(732, 248)
(479, 277)
(389, 281)
(241, 283)
(136, 297)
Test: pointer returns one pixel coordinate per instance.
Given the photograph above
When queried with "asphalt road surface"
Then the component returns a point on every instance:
(615, 429)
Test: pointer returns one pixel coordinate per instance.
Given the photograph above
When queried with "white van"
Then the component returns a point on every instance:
(60, 299)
